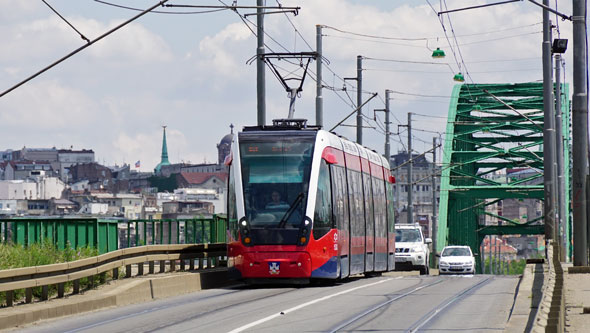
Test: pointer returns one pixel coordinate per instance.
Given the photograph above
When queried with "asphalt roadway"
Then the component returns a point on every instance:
(473, 303)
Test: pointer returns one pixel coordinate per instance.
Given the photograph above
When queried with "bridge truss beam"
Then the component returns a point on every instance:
(493, 163)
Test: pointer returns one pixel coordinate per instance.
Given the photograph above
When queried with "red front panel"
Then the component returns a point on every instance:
(254, 262)
(283, 261)
(323, 249)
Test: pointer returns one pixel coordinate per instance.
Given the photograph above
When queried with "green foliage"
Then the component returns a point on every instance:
(511, 267)
(45, 253)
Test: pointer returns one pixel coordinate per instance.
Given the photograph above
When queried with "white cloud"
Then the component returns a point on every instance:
(114, 96)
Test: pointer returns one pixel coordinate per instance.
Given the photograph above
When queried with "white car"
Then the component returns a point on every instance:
(456, 260)
(411, 248)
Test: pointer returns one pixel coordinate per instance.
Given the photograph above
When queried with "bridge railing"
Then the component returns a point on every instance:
(111, 234)
(62, 275)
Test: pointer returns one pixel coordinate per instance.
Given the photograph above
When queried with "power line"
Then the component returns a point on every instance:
(295, 28)
(457, 44)
(427, 38)
(63, 18)
(160, 3)
(160, 11)
(447, 45)
(428, 115)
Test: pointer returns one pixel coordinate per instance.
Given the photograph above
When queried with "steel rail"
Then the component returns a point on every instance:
(377, 307)
(436, 311)
(424, 319)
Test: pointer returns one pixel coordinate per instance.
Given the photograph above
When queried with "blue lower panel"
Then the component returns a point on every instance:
(357, 264)
(369, 261)
(344, 267)
(329, 270)
(391, 262)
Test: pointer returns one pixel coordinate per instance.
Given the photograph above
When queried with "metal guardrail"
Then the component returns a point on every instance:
(175, 231)
(59, 274)
(109, 235)
(73, 232)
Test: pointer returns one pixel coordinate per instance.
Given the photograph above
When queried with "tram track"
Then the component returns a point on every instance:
(449, 301)
(416, 326)
(171, 322)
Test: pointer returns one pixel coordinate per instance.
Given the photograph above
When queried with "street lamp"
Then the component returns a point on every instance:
(438, 53)
(459, 77)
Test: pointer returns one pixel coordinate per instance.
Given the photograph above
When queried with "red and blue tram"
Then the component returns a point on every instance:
(304, 203)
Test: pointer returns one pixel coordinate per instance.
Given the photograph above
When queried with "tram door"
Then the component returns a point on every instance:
(340, 205)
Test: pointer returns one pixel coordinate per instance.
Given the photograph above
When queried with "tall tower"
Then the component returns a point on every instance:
(164, 160)
(224, 147)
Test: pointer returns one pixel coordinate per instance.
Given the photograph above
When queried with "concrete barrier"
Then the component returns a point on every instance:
(118, 293)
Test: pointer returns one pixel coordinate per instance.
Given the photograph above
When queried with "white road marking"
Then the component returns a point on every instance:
(301, 306)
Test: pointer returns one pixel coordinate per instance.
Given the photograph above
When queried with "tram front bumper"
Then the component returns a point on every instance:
(275, 265)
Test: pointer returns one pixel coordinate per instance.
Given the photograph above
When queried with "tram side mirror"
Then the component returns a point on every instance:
(392, 179)
(428, 241)
(437, 255)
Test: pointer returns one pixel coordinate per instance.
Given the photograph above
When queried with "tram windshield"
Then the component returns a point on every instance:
(275, 173)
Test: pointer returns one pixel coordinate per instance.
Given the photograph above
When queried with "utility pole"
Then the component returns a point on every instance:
(560, 168)
(548, 130)
(359, 99)
(434, 215)
(260, 78)
(398, 190)
(490, 254)
(387, 146)
(319, 102)
(410, 164)
(580, 135)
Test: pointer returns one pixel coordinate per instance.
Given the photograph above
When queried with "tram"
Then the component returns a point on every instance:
(304, 203)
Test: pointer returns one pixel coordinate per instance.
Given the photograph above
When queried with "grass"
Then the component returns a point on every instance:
(16, 256)
(46, 253)
(516, 266)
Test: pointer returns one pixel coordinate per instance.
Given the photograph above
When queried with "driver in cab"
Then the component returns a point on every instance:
(276, 202)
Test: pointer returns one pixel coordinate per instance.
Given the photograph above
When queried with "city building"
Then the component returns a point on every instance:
(125, 205)
(23, 169)
(69, 157)
(422, 171)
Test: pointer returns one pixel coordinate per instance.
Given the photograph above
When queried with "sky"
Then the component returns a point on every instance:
(190, 71)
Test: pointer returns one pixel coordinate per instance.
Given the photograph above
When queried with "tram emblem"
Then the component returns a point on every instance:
(274, 267)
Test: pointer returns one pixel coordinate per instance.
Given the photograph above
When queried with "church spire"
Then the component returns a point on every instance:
(164, 148)
(164, 160)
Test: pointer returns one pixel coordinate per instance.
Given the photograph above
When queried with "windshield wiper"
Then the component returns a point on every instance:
(290, 211)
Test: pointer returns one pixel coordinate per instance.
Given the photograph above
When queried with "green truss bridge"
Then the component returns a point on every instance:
(493, 164)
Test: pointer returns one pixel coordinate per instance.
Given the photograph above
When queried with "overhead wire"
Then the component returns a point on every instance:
(64, 19)
(427, 38)
(161, 11)
(247, 22)
(444, 45)
(457, 44)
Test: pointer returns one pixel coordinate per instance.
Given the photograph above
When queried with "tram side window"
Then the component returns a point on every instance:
(379, 204)
(232, 215)
(340, 197)
(390, 208)
(322, 220)
(356, 205)
(368, 199)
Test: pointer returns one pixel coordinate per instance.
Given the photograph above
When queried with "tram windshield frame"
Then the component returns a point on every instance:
(271, 165)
